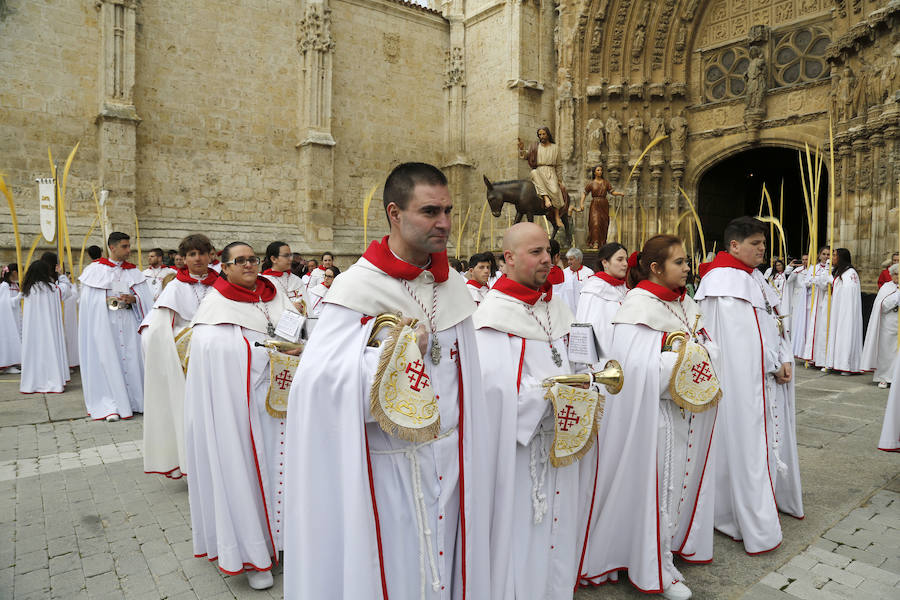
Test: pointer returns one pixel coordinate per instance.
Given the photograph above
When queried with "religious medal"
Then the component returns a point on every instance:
(557, 359)
(270, 329)
(435, 351)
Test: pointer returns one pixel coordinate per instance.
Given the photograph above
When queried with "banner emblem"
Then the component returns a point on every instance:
(281, 373)
(402, 397)
(693, 384)
(577, 413)
(47, 203)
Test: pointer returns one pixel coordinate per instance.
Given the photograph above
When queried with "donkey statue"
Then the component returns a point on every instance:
(521, 194)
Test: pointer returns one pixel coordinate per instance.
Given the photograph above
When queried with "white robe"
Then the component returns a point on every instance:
(316, 297)
(800, 299)
(574, 281)
(537, 536)
(291, 285)
(642, 500)
(112, 368)
(477, 292)
(164, 377)
(316, 277)
(597, 305)
(234, 449)
(45, 366)
(10, 333)
(783, 286)
(880, 348)
(817, 280)
(363, 535)
(70, 322)
(154, 277)
(844, 349)
(890, 427)
(755, 436)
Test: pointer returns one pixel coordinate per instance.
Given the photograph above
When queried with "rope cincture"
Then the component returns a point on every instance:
(426, 546)
(538, 495)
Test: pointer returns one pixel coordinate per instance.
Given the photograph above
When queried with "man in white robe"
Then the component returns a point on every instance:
(373, 516)
(800, 298)
(880, 348)
(536, 535)
(114, 300)
(164, 376)
(818, 278)
(234, 446)
(757, 467)
(479, 273)
(156, 271)
(576, 275)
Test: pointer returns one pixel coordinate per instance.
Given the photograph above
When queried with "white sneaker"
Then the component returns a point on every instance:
(13, 370)
(112, 418)
(824, 369)
(677, 591)
(882, 384)
(260, 580)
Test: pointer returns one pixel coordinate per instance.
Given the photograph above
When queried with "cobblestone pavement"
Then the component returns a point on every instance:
(79, 518)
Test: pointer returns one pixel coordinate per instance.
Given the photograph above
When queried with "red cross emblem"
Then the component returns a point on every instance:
(417, 378)
(567, 418)
(284, 379)
(701, 372)
(454, 354)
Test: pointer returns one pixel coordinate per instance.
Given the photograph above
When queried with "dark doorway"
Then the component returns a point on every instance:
(733, 188)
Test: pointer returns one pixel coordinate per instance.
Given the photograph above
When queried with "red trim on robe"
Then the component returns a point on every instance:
(521, 363)
(462, 471)
(108, 263)
(263, 292)
(661, 292)
(608, 278)
(246, 566)
(185, 276)
(725, 260)
(556, 275)
(384, 591)
(380, 255)
(587, 530)
(762, 359)
(697, 498)
(518, 291)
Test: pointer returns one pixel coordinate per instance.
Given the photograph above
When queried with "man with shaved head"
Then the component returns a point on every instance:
(536, 539)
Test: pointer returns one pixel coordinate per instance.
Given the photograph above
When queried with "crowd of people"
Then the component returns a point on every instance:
(424, 427)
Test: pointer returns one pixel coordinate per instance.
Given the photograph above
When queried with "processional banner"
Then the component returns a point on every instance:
(47, 203)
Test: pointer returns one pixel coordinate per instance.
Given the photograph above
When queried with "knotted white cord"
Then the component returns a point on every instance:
(425, 544)
(538, 496)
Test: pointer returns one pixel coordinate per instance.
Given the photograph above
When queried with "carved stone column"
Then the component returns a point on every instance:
(117, 119)
(316, 145)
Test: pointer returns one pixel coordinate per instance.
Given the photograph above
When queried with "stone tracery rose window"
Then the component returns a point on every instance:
(723, 74)
(799, 56)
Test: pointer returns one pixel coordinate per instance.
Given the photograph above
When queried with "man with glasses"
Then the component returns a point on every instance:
(318, 293)
(367, 505)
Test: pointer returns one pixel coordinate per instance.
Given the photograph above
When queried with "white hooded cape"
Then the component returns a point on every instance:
(574, 282)
(234, 449)
(10, 334)
(844, 349)
(890, 427)
(538, 528)
(880, 348)
(354, 529)
(800, 299)
(645, 446)
(112, 368)
(597, 305)
(757, 447)
(816, 281)
(45, 366)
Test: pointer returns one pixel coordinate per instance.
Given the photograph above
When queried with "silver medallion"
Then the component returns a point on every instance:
(270, 329)
(557, 359)
(435, 351)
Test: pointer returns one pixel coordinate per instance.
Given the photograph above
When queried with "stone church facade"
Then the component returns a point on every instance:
(262, 120)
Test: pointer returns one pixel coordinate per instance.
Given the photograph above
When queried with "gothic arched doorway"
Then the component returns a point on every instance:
(733, 188)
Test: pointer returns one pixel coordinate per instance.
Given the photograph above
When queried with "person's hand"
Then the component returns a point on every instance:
(127, 299)
(294, 352)
(59, 269)
(421, 333)
(520, 144)
(784, 373)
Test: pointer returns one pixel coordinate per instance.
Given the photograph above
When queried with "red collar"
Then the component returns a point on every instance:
(663, 293)
(265, 290)
(520, 292)
(380, 255)
(274, 273)
(555, 276)
(723, 259)
(125, 265)
(321, 268)
(609, 278)
(475, 284)
(185, 276)
(215, 260)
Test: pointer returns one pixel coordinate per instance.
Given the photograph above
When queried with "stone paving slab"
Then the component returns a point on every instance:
(79, 518)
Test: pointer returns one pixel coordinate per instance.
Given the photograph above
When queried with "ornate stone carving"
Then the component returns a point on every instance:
(636, 132)
(596, 55)
(678, 138)
(662, 33)
(615, 53)
(613, 134)
(657, 125)
(314, 30)
(454, 71)
(757, 79)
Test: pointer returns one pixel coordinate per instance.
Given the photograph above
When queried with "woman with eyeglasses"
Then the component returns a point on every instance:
(318, 293)
(233, 445)
(277, 268)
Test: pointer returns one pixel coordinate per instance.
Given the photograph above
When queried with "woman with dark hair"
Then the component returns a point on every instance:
(652, 492)
(277, 268)
(69, 306)
(845, 321)
(817, 279)
(602, 295)
(234, 440)
(45, 367)
(598, 216)
(10, 321)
